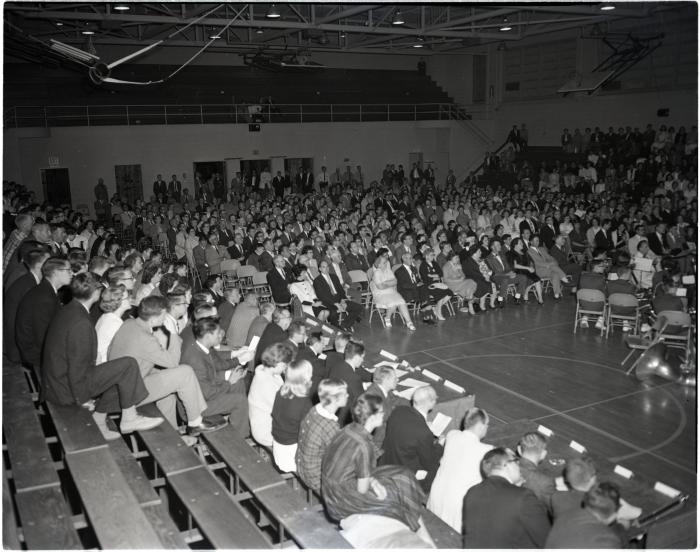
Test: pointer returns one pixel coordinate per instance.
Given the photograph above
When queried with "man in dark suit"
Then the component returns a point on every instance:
(266, 259)
(225, 395)
(558, 253)
(160, 188)
(530, 223)
(589, 527)
(408, 282)
(34, 260)
(383, 385)
(279, 279)
(355, 260)
(175, 188)
(237, 250)
(503, 273)
(499, 514)
(330, 292)
(548, 232)
(351, 372)
(580, 476)
(657, 240)
(37, 308)
(274, 332)
(312, 352)
(69, 375)
(532, 449)
(232, 296)
(409, 441)
(278, 185)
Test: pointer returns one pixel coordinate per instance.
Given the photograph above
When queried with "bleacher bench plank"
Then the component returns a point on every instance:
(75, 428)
(443, 535)
(10, 534)
(248, 465)
(165, 527)
(219, 517)
(32, 465)
(110, 505)
(308, 527)
(46, 520)
(134, 475)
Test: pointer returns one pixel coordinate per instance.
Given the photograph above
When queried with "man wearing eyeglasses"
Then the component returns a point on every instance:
(499, 514)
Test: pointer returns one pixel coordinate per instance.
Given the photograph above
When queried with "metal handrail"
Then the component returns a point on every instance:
(136, 114)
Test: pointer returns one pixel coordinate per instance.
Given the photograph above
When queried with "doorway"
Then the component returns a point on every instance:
(295, 165)
(211, 175)
(129, 184)
(56, 184)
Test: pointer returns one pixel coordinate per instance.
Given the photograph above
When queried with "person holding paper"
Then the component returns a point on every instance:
(409, 441)
(383, 287)
(352, 483)
(645, 263)
(225, 394)
(459, 468)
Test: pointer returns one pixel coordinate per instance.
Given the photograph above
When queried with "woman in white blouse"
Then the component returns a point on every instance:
(303, 289)
(114, 302)
(266, 382)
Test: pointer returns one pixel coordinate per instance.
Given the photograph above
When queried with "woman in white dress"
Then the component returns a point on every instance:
(191, 242)
(263, 389)
(383, 287)
(459, 468)
(114, 302)
(303, 289)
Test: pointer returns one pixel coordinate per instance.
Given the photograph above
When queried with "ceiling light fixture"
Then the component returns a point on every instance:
(342, 34)
(505, 27)
(607, 7)
(214, 36)
(87, 32)
(272, 13)
(398, 18)
(121, 7)
(419, 44)
(259, 31)
(59, 24)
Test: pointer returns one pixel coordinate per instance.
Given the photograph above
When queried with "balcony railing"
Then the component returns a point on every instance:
(102, 115)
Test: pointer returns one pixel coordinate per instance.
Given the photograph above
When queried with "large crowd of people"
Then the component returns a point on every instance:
(150, 305)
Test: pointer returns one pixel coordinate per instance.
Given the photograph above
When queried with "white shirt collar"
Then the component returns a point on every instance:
(325, 414)
(202, 347)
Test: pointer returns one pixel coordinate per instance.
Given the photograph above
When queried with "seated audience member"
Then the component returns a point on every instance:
(546, 266)
(232, 296)
(532, 449)
(352, 373)
(521, 262)
(37, 308)
(292, 403)
(594, 279)
(279, 279)
(303, 289)
(383, 288)
(666, 298)
(409, 441)
(503, 275)
(622, 283)
(175, 320)
(143, 339)
(215, 254)
(589, 527)
(336, 357)
(34, 260)
(150, 278)
(274, 332)
(317, 430)
(459, 468)
(384, 382)
(431, 274)
(476, 269)
(499, 514)
(336, 266)
(70, 375)
(409, 284)
(224, 393)
(114, 303)
(243, 316)
(331, 293)
(351, 482)
(559, 253)
(214, 284)
(642, 273)
(312, 352)
(263, 389)
(454, 278)
(580, 476)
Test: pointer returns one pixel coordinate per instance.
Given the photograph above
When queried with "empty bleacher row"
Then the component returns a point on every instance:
(27, 84)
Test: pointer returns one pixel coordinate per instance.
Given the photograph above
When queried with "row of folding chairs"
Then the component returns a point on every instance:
(618, 309)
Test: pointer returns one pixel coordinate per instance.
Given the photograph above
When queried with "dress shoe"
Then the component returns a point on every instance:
(205, 427)
(139, 423)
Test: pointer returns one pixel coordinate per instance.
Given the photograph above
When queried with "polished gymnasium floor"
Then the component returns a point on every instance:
(526, 363)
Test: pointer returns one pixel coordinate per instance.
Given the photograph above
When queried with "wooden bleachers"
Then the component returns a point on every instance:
(218, 516)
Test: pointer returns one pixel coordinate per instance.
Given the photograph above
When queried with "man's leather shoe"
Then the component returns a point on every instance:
(205, 427)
